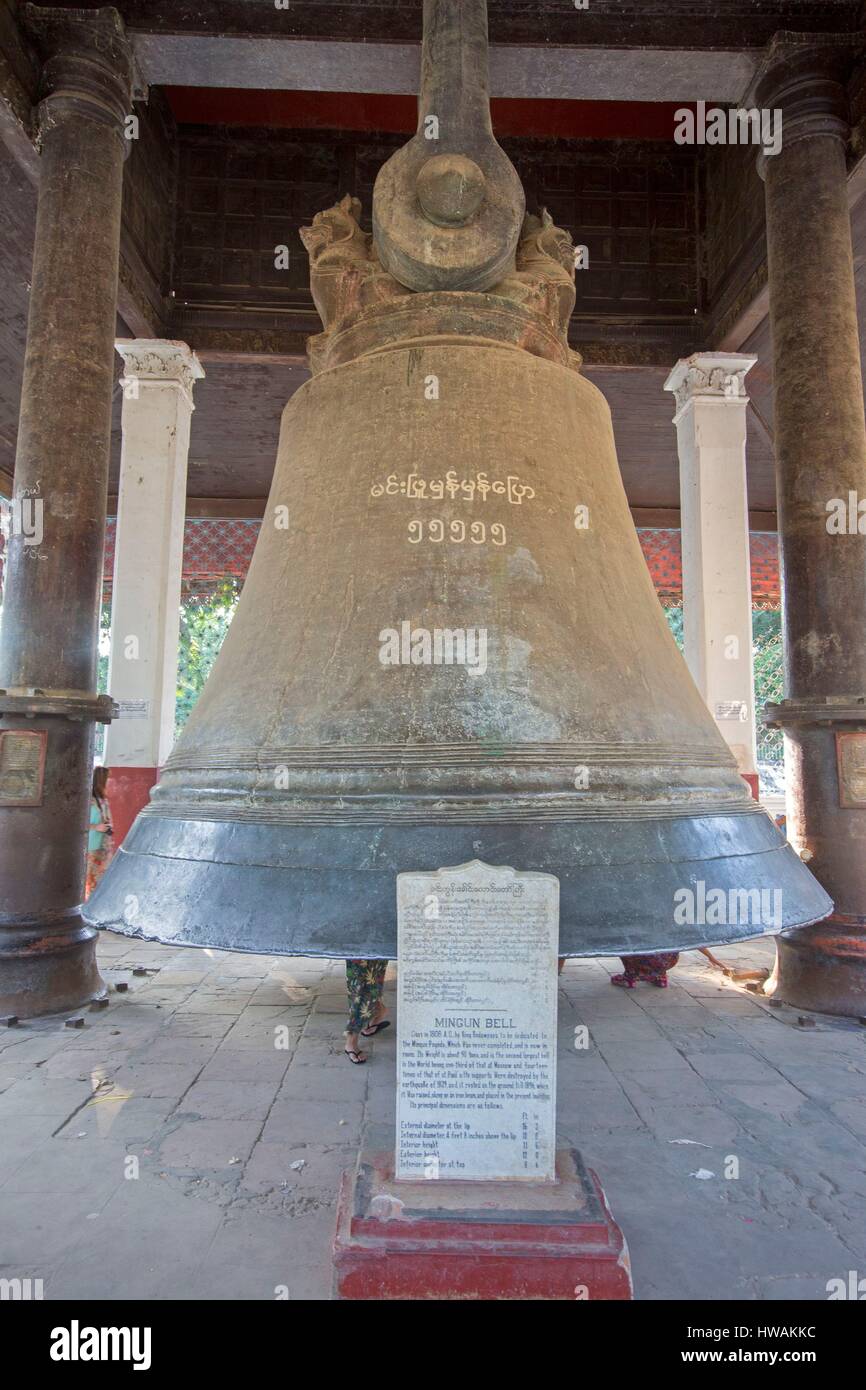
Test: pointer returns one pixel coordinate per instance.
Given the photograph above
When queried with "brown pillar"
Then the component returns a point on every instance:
(48, 643)
(820, 458)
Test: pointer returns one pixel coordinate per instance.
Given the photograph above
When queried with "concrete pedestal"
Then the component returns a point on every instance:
(477, 1240)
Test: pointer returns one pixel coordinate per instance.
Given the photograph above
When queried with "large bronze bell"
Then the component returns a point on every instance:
(448, 646)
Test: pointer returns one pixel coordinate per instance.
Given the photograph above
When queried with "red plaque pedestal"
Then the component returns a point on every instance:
(485, 1240)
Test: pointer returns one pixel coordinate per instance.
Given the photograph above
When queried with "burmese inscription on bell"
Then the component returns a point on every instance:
(476, 1079)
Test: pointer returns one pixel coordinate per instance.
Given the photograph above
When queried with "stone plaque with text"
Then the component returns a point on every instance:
(22, 767)
(851, 762)
(476, 1061)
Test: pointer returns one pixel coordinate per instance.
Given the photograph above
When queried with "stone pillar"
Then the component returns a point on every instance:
(710, 418)
(148, 559)
(820, 460)
(48, 645)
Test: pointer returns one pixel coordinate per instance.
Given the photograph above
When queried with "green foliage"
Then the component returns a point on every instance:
(102, 673)
(769, 673)
(204, 623)
(769, 679)
(675, 623)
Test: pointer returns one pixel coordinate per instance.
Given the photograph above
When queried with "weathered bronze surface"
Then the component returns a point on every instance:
(448, 646)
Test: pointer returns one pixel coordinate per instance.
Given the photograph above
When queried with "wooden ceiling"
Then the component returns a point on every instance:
(701, 24)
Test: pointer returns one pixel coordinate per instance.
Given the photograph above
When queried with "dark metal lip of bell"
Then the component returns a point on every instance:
(329, 952)
(607, 908)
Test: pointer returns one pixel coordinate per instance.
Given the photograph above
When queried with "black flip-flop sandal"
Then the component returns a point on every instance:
(371, 1032)
(355, 1057)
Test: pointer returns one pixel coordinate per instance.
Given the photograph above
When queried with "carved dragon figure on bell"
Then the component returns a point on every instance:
(543, 277)
(347, 278)
(346, 275)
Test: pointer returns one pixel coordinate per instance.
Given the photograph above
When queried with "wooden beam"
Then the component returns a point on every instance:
(253, 509)
(747, 323)
(215, 508)
(763, 427)
(619, 23)
(234, 508)
(229, 334)
(277, 62)
(136, 292)
(268, 359)
(668, 519)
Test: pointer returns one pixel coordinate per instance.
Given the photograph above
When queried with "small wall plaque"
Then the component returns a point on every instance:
(732, 709)
(132, 709)
(22, 767)
(851, 764)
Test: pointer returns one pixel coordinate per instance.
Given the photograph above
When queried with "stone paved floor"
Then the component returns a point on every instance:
(180, 1081)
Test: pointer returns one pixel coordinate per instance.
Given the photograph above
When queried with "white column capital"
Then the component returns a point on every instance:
(713, 376)
(160, 362)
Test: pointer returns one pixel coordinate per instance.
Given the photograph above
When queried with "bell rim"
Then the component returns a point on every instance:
(338, 899)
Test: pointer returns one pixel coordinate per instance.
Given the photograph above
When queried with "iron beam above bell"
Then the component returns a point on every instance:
(448, 207)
